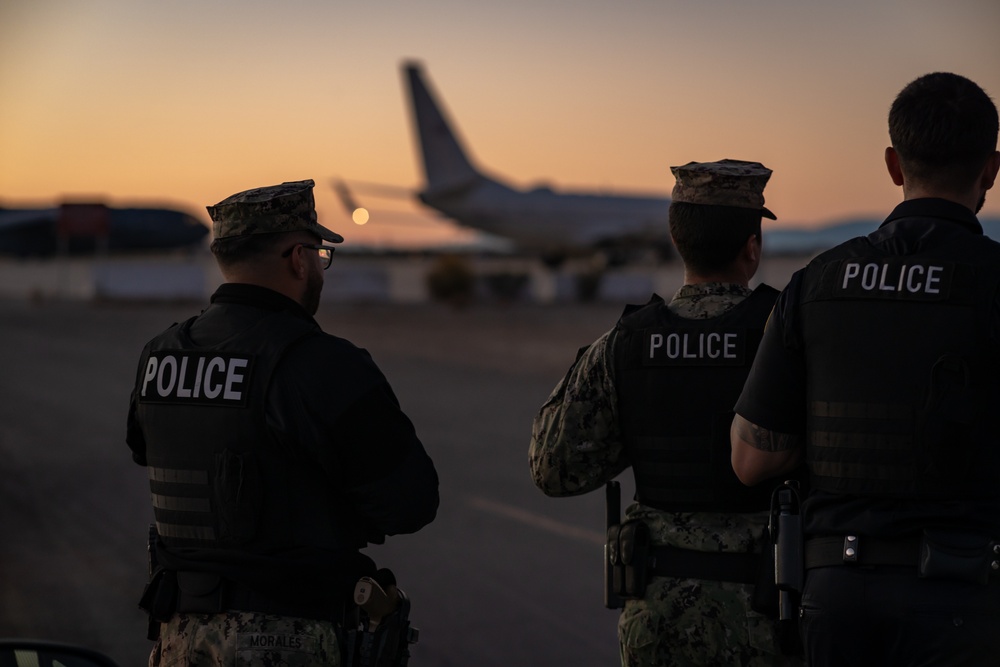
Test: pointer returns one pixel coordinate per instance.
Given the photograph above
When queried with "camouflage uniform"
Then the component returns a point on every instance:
(577, 446)
(246, 639)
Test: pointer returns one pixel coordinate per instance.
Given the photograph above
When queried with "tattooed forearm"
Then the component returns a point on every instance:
(764, 439)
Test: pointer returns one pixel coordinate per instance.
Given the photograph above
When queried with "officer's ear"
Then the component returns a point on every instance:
(892, 164)
(297, 262)
(752, 248)
(989, 175)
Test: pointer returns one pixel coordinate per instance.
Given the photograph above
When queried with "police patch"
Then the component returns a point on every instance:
(174, 376)
(690, 346)
(896, 278)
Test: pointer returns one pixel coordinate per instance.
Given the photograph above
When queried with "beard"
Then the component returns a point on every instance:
(314, 287)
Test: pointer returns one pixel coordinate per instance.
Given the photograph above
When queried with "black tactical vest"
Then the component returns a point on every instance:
(677, 381)
(899, 405)
(217, 478)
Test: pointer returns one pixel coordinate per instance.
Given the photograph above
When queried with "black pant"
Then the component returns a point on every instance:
(887, 617)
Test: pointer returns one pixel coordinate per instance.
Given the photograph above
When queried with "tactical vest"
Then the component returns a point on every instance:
(899, 406)
(217, 478)
(677, 381)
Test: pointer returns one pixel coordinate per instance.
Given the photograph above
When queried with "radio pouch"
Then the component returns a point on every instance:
(955, 556)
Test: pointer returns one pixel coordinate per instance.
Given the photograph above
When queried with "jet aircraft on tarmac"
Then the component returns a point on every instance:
(552, 225)
(557, 225)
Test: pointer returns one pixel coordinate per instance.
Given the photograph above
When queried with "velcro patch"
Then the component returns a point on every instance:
(199, 378)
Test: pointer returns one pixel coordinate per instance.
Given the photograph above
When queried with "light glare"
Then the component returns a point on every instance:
(360, 216)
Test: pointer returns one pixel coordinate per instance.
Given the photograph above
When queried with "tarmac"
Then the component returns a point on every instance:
(504, 576)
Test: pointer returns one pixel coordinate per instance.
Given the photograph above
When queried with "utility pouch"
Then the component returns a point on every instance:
(955, 556)
(159, 600)
(200, 593)
(628, 550)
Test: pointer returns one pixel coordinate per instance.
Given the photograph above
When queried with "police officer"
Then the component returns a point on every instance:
(275, 451)
(879, 368)
(656, 393)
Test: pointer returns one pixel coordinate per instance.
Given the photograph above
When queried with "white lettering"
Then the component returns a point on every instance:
(211, 391)
(197, 377)
(730, 352)
(673, 346)
(853, 269)
(869, 276)
(233, 376)
(713, 345)
(150, 373)
(655, 342)
(911, 278)
(913, 285)
(881, 283)
(165, 379)
(933, 277)
(182, 391)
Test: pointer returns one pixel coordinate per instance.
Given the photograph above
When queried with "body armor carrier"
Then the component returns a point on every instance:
(677, 381)
(217, 478)
(926, 344)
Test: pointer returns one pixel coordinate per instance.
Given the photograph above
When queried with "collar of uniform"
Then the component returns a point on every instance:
(699, 290)
(260, 297)
(936, 208)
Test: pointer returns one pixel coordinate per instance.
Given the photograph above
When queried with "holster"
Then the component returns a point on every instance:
(373, 635)
(765, 591)
(628, 553)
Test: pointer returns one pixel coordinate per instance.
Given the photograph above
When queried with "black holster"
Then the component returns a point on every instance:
(385, 645)
(785, 528)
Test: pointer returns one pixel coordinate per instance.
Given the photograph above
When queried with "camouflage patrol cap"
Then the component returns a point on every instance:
(288, 207)
(723, 183)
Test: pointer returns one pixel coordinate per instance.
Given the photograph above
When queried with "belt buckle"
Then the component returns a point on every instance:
(850, 550)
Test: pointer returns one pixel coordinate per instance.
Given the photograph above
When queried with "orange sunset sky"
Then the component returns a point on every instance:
(184, 102)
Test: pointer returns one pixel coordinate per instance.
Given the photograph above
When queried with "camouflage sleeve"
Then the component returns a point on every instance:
(576, 444)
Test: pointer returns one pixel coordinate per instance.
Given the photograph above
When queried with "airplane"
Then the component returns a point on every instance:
(557, 225)
(552, 225)
(84, 228)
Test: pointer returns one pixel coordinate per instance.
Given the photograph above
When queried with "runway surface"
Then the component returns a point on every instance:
(504, 576)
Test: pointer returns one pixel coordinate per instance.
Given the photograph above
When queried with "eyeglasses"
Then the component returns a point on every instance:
(325, 252)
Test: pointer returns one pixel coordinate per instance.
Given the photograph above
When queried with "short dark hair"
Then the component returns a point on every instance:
(709, 237)
(944, 129)
(234, 250)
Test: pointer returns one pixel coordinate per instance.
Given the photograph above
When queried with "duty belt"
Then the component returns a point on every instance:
(857, 550)
(711, 565)
(209, 593)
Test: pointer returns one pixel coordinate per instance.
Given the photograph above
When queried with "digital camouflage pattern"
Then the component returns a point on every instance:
(288, 207)
(697, 623)
(577, 446)
(246, 639)
(723, 183)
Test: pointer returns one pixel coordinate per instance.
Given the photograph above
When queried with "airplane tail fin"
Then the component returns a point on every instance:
(446, 165)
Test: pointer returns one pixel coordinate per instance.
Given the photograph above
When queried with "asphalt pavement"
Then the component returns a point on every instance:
(504, 576)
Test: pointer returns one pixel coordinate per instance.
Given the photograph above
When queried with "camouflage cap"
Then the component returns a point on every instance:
(723, 183)
(288, 207)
